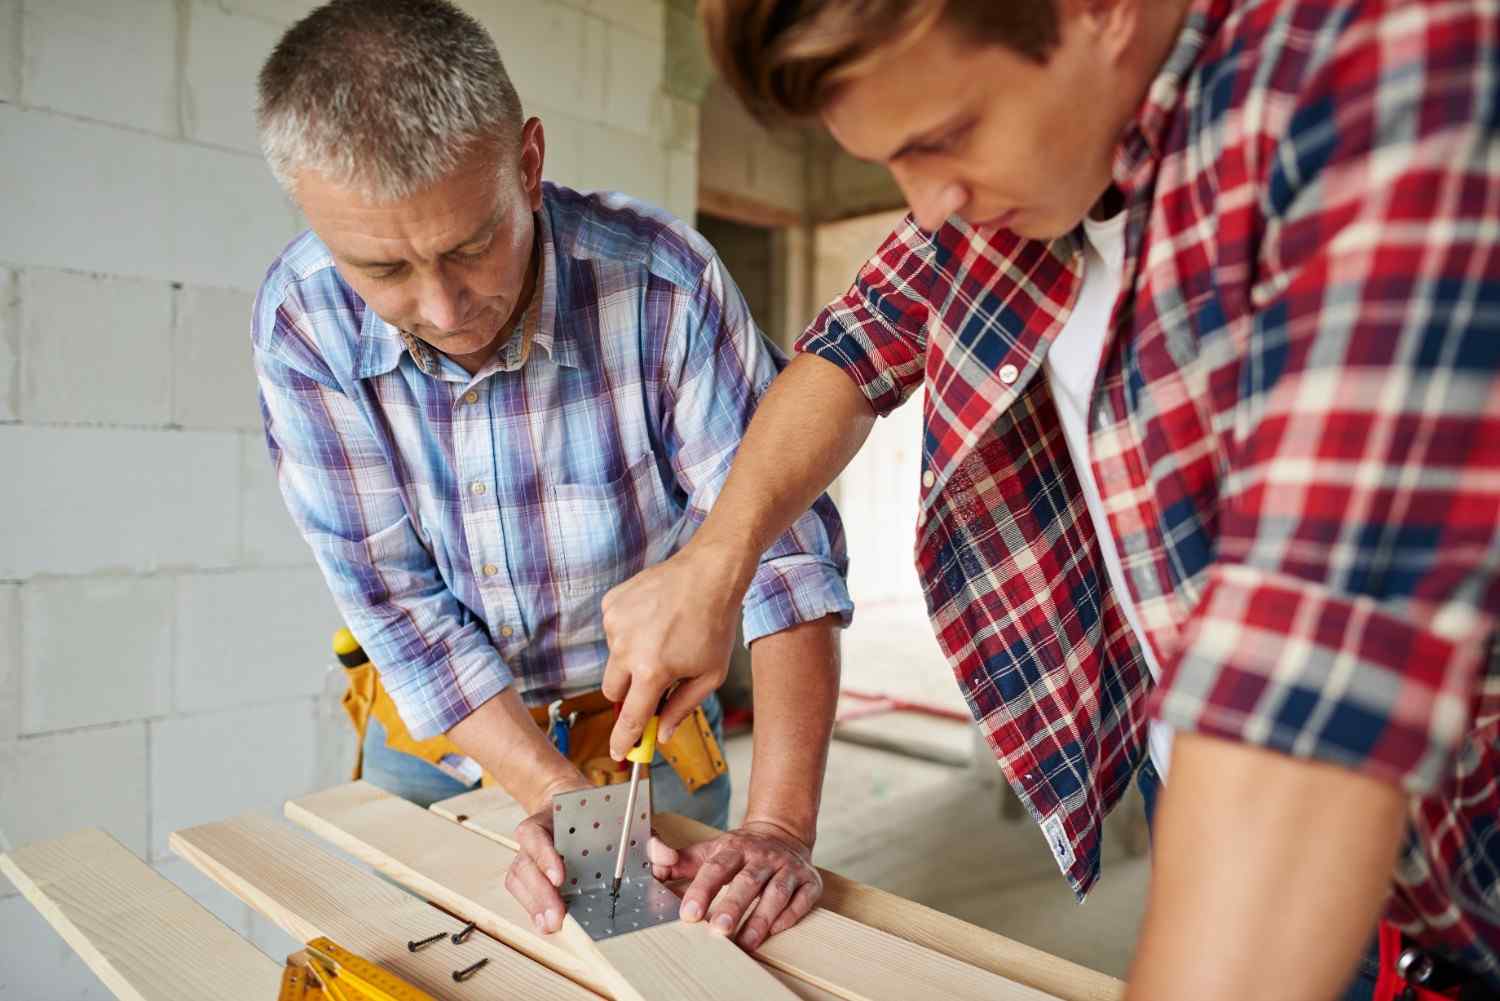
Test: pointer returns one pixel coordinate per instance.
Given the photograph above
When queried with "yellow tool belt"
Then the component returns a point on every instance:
(692, 752)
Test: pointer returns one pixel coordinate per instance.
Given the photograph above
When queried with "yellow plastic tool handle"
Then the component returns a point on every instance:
(347, 649)
(643, 752)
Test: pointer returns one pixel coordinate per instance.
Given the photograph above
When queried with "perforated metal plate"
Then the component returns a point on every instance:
(586, 829)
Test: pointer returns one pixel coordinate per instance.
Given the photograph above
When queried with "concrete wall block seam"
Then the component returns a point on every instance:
(97, 650)
(95, 348)
(169, 204)
(63, 45)
(11, 360)
(197, 776)
(121, 499)
(10, 54)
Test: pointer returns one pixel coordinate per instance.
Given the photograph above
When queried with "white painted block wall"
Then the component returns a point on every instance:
(163, 631)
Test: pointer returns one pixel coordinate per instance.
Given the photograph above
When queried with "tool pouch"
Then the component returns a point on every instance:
(359, 700)
(692, 752)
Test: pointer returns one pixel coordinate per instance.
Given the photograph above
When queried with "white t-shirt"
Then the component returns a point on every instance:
(1071, 365)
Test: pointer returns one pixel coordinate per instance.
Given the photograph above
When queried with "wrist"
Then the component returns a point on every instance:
(801, 832)
(559, 783)
(731, 560)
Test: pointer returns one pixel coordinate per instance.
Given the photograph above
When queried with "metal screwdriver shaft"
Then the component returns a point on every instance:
(640, 755)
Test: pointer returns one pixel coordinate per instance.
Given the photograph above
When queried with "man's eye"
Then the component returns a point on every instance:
(945, 144)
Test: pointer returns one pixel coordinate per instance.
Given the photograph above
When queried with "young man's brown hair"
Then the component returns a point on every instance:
(789, 56)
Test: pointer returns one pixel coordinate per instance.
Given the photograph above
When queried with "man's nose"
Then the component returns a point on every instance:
(933, 201)
(444, 303)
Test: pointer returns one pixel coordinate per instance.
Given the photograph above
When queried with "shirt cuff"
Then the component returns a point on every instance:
(832, 342)
(440, 694)
(790, 590)
(1282, 663)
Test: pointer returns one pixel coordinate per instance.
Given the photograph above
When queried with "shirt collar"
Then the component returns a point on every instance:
(1141, 146)
(381, 343)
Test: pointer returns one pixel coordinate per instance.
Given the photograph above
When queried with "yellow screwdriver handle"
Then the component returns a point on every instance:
(643, 752)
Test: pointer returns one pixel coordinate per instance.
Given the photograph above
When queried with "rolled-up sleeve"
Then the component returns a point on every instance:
(877, 330)
(435, 659)
(1350, 612)
(719, 367)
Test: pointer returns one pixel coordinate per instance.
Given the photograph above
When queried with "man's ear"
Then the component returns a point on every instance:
(1112, 25)
(533, 156)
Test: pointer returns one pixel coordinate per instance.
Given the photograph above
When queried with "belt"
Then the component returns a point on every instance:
(1410, 973)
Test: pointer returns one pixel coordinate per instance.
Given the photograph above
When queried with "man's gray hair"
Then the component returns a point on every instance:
(384, 97)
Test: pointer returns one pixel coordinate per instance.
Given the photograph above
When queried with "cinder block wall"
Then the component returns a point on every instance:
(163, 631)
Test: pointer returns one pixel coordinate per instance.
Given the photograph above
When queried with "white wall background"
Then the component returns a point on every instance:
(163, 632)
(878, 491)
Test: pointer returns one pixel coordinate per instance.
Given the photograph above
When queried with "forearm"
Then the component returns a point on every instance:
(811, 423)
(1272, 873)
(796, 693)
(508, 744)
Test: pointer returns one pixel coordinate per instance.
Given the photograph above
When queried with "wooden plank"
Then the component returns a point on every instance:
(1065, 980)
(749, 211)
(308, 892)
(455, 869)
(490, 812)
(827, 949)
(145, 938)
(465, 873)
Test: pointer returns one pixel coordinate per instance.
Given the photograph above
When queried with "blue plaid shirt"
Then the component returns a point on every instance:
(468, 526)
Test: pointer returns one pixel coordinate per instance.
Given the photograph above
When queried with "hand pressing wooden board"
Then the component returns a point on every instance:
(308, 892)
(465, 873)
(139, 933)
(826, 949)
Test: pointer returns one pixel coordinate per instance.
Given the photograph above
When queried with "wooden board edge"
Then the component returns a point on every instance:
(308, 891)
(356, 816)
(257, 974)
(925, 926)
(745, 210)
(907, 919)
(570, 953)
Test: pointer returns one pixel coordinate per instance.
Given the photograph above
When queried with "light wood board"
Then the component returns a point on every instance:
(827, 949)
(490, 812)
(465, 873)
(308, 892)
(145, 938)
(1061, 978)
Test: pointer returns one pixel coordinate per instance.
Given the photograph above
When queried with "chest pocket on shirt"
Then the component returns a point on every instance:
(608, 532)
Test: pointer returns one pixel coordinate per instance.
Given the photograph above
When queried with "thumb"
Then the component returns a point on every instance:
(688, 696)
(661, 853)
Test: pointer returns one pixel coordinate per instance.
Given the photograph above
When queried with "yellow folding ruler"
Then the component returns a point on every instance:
(325, 971)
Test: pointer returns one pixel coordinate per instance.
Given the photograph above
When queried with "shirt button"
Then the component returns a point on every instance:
(1009, 374)
(928, 479)
(471, 397)
(490, 569)
(507, 631)
(476, 488)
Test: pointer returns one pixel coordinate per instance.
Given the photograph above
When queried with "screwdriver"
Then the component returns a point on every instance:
(639, 755)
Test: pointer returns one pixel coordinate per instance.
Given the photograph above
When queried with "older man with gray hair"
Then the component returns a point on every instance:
(489, 399)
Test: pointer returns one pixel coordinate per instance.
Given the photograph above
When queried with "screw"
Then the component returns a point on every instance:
(424, 943)
(460, 937)
(469, 971)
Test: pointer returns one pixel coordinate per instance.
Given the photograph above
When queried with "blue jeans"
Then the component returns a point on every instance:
(413, 779)
(1363, 986)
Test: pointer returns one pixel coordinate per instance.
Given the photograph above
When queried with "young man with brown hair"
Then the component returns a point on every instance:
(1205, 298)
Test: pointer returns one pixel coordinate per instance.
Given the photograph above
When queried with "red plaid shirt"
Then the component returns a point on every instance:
(1295, 431)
